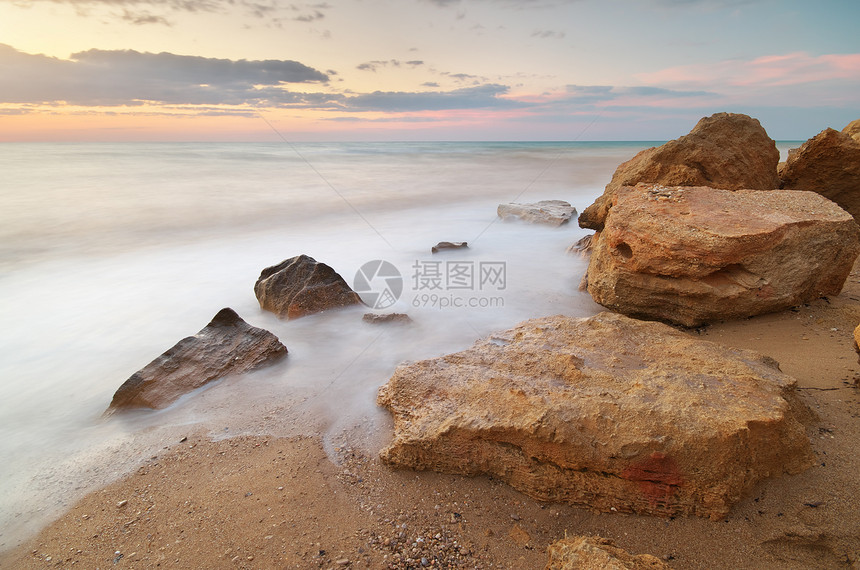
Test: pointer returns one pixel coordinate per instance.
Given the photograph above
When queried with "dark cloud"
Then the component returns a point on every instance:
(99, 77)
(481, 97)
(583, 94)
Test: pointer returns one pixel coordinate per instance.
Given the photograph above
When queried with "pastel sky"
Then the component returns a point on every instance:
(422, 69)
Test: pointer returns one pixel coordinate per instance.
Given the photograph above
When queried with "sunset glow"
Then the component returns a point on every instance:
(421, 69)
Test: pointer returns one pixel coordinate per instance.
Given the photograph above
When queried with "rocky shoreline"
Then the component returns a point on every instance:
(606, 415)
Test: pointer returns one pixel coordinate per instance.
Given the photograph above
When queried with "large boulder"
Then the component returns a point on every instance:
(607, 412)
(695, 255)
(227, 345)
(596, 553)
(725, 150)
(828, 163)
(548, 212)
(302, 286)
(852, 129)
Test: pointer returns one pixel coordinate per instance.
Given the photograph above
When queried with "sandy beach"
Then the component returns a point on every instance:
(267, 502)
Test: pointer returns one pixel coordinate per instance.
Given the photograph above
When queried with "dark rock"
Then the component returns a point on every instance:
(302, 286)
(448, 245)
(376, 318)
(227, 345)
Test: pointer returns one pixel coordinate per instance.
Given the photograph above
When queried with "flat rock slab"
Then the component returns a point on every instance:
(301, 286)
(227, 345)
(596, 553)
(381, 318)
(549, 212)
(606, 412)
(693, 255)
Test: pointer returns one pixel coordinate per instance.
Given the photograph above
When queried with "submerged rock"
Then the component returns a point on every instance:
(829, 164)
(695, 255)
(582, 247)
(448, 245)
(606, 412)
(302, 286)
(227, 345)
(596, 553)
(379, 318)
(549, 212)
(726, 150)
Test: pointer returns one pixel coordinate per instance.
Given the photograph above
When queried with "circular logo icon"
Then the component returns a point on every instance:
(378, 283)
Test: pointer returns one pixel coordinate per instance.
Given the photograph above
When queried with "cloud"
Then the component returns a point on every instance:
(548, 34)
(157, 11)
(376, 64)
(508, 3)
(481, 97)
(127, 77)
(766, 71)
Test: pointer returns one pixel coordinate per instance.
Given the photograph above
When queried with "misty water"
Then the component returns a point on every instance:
(111, 253)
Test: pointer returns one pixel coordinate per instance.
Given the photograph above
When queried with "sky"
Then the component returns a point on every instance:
(344, 70)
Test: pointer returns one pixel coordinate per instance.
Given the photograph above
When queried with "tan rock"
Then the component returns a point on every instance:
(828, 163)
(696, 255)
(227, 345)
(596, 553)
(857, 341)
(548, 212)
(725, 150)
(606, 412)
(852, 129)
(302, 286)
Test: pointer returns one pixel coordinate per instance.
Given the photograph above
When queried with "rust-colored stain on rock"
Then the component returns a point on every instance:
(657, 477)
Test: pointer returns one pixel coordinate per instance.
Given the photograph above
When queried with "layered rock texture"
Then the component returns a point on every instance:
(548, 212)
(606, 412)
(828, 163)
(725, 150)
(695, 255)
(227, 345)
(596, 553)
(302, 286)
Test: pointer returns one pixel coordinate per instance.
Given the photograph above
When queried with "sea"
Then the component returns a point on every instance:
(110, 253)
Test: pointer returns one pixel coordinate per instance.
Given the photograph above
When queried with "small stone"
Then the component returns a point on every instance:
(342, 562)
(121, 504)
(448, 245)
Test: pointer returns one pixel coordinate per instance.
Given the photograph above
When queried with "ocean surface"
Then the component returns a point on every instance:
(111, 253)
